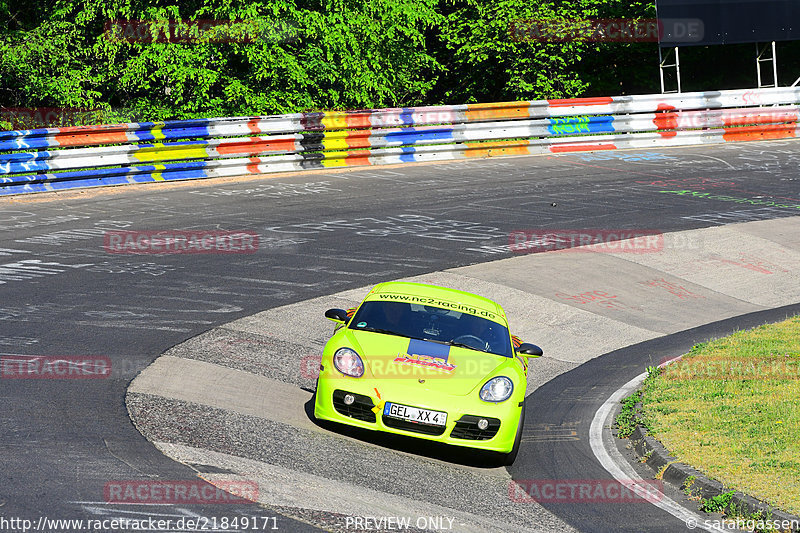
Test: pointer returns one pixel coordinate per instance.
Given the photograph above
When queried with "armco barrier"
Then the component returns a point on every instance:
(66, 158)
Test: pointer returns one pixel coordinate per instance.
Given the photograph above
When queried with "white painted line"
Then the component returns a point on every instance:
(612, 460)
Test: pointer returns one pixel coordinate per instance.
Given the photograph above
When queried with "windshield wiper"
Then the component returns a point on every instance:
(458, 344)
(462, 345)
(448, 343)
(454, 343)
(437, 341)
(379, 330)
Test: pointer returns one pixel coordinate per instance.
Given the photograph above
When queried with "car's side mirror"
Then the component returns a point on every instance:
(529, 350)
(337, 315)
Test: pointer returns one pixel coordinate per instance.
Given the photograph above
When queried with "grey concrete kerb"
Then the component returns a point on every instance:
(684, 476)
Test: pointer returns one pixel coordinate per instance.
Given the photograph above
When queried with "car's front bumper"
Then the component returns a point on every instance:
(463, 412)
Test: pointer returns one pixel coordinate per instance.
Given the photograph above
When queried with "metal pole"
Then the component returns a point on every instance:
(678, 68)
(774, 65)
(758, 65)
(661, 69)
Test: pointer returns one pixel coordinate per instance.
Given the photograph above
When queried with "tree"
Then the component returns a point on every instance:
(333, 54)
(485, 62)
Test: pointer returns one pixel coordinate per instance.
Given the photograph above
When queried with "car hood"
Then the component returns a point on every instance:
(398, 362)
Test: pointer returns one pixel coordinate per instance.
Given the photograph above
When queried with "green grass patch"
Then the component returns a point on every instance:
(731, 408)
(626, 420)
(718, 503)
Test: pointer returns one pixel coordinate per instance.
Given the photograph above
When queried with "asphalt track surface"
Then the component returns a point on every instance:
(62, 294)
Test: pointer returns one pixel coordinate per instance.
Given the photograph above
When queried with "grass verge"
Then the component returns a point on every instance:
(731, 408)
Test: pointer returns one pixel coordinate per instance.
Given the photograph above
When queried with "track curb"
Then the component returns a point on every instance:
(683, 476)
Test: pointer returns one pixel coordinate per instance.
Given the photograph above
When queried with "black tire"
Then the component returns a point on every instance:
(511, 456)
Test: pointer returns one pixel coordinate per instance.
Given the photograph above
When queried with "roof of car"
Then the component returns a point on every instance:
(435, 291)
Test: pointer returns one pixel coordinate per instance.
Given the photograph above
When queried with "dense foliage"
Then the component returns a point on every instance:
(320, 54)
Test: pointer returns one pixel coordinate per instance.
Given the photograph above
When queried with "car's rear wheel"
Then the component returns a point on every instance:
(512, 455)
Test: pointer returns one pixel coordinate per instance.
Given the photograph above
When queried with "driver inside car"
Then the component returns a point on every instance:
(482, 330)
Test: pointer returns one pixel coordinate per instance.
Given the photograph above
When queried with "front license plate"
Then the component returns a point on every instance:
(413, 414)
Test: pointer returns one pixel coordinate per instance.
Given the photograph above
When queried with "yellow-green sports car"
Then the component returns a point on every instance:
(427, 362)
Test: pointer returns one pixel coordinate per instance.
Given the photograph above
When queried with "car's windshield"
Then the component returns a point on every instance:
(433, 323)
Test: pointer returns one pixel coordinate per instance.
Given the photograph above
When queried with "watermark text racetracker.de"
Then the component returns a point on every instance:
(180, 242)
(555, 30)
(772, 367)
(405, 366)
(69, 367)
(585, 491)
(200, 31)
(29, 118)
(181, 492)
(639, 241)
(54, 367)
(150, 523)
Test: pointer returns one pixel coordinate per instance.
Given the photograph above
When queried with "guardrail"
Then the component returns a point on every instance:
(88, 156)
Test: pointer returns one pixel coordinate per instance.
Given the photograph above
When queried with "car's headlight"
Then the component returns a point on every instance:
(497, 389)
(348, 362)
